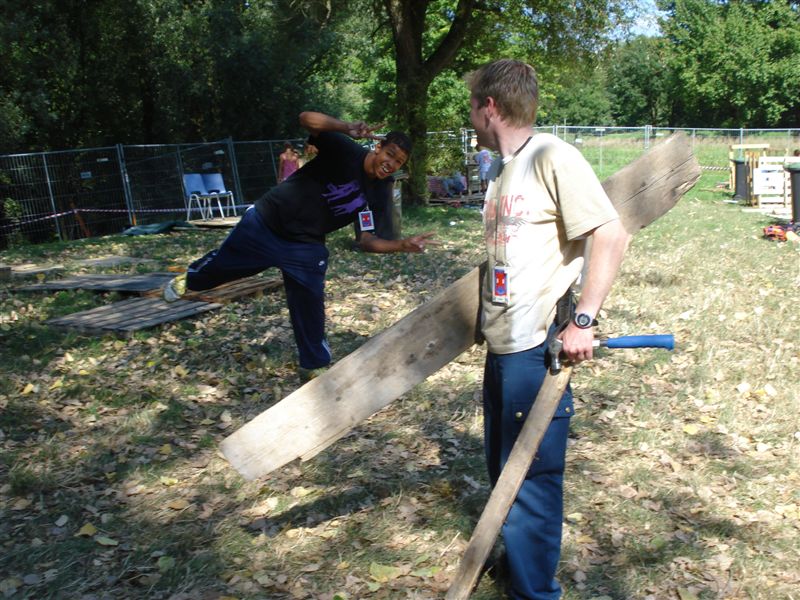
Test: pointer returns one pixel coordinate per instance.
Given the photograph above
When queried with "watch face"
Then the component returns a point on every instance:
(583, 320)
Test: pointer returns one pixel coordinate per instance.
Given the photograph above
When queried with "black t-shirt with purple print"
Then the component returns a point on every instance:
(326, 194)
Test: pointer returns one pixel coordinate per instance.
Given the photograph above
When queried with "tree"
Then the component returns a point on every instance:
(578, 97)
(735, 62)
(640, 82)
(428, 35)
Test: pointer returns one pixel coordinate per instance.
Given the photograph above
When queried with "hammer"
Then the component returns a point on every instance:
(554, 345)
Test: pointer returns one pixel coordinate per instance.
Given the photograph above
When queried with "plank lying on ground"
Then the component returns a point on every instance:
(216, 223)
(31, 270)
(145, 282)
(390, 364)
(113, 260)
(235, 290)
(128, 316)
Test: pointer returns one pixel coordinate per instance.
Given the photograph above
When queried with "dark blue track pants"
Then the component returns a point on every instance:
(532, 531)
(252, 247)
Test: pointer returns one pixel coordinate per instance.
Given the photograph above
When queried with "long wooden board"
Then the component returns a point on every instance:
(388, 365)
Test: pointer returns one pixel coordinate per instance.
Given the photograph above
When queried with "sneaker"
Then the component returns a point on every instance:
(307, 375)
(175, 288)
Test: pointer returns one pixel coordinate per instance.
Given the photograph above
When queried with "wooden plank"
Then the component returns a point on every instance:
(508, 484)
(31, 270)
(141, 283)
(112, 260)
(223, 294)
(217, 223)
(388, 365)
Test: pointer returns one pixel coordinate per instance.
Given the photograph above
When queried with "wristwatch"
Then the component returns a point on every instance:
(583, 321)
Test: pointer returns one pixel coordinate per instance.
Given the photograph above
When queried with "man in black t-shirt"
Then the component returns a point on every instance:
(345, 183)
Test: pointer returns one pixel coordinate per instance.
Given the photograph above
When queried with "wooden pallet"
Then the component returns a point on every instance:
(146, 282)
(113, 260)
(31, 270)
(216, 223)
(223, 294)
(128, 316)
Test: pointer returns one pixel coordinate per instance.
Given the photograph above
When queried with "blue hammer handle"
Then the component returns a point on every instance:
(640, 341)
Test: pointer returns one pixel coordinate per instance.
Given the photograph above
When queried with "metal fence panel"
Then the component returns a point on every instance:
(97, 191)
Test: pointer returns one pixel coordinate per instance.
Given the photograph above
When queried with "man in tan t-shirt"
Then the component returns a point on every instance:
(542, 204)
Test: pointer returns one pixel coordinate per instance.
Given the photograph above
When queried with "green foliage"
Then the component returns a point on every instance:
(577, 97)
(640, 87)
(735, 62)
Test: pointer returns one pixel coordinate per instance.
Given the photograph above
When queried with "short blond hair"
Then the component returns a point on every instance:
(514, 87)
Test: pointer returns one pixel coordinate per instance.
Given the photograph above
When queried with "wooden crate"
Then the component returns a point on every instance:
(771, 182)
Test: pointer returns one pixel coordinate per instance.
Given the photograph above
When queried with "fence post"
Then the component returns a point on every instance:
(647, 130)
(235, 167)
(52, 199)
(126, 185)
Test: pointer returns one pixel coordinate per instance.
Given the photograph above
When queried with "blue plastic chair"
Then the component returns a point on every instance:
(196, 193)
(216, 190)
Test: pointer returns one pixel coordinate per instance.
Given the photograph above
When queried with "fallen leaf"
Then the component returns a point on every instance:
(165, 563)
(178, 504)
(106, 541)
(62, 520)
(88, 530)
(690, 429)
(384, 573)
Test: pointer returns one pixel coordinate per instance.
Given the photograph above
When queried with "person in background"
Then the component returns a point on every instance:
(288, 162)
(483, 158)
(309, 152)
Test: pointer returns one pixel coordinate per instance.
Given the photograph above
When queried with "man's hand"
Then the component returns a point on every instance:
(360, 129)
(414, 243)
(316, 122)
(417, 243)
(577, 343)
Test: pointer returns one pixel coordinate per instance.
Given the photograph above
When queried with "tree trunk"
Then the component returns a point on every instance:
(412, 107)
(415, 74)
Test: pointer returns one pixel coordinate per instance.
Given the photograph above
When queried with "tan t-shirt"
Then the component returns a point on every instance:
(548, 198)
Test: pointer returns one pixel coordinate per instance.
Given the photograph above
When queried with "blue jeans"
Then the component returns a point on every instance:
(252, 247)
(532, 531)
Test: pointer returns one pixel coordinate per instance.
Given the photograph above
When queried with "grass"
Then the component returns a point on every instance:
(681, 477)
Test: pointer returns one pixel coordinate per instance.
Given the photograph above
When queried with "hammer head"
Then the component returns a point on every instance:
(554, 347)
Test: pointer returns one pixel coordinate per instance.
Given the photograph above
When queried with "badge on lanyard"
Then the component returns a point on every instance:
(500, 292)
(365, 219)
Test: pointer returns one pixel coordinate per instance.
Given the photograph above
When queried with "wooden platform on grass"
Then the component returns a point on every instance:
(113, 260)
(475, 199)
(143, 283)
(243, 288)
(32, 270)
(125, 317)
(220, 222)
(151, 284)
(128, 316)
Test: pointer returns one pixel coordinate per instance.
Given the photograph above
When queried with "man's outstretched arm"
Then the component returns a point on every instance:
(317, 122)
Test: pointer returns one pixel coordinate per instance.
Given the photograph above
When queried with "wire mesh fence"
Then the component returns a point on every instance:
(98, 191)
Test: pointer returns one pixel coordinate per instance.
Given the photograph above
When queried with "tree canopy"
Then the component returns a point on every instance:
(78, 73)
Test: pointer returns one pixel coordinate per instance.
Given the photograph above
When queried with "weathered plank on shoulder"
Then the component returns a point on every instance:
(388, 365)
